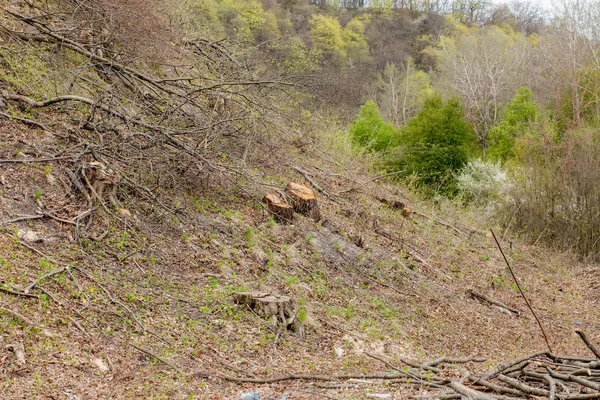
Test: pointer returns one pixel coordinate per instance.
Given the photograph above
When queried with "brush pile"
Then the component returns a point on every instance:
(536, 376)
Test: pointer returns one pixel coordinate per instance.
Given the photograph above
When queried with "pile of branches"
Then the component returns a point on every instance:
(535, 376)
(538, 375)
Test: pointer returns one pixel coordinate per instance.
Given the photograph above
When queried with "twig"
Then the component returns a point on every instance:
(503, 367)
(522, 293)
(420, 379)
(25, 120)
(148, 352)
(305, 377)
(35, 160)
(351, 188)
(26, 320)
(13, 292)
(444, 359)
(306, 176)
(48, 275)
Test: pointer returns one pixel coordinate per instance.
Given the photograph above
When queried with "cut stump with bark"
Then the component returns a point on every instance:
(280, 310)
(303, 200)
(396, 205)
(281, 210)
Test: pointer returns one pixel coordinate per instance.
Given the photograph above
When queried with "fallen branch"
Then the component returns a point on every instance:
(308, 377)
(148, 352)
(522, 293)
(588, 343)
(480, 296)
(25, 120)
(35, 160)
(26, 320)
(16, 293)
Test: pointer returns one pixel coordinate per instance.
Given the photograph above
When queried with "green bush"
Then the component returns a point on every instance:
(370, 129)
(434, 145)
(520, 111)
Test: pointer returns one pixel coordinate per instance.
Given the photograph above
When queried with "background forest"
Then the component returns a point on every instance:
(494, 103)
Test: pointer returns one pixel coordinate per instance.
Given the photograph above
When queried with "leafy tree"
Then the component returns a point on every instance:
(327, 38)
(371, 131)
(355, 42)
(435, 144)
(520, 111)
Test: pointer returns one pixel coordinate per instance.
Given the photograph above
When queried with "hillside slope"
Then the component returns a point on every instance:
(130, 216)
(165, 285)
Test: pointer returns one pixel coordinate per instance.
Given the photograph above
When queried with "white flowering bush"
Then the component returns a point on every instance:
(481, 182)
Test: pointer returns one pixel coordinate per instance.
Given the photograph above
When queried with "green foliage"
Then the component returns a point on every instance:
(371, 131)
(434, 145)
(516, 118)
(355, 42)
(327, 38)
(292, 56)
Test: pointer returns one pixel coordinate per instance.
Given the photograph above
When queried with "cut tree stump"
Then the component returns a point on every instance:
(281, 310)
(281, 210)
(396, 205)
(303, 200)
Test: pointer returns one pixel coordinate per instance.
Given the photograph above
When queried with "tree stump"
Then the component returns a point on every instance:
(303, 200)
(281, 310)
(396, 205)
(101, 181)
(281, 210)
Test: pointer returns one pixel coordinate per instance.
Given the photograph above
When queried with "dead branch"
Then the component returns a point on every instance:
(308, 377)
(26, 320)
(16, 293)
(489, 300)
(25, 120)
(48, 275)
(37, 160)
(522, 293)
(588, 343)
(148, 352)
(307, 176)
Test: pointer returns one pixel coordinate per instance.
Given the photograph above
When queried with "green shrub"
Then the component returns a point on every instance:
(370, 129)
(434, 145)
(520, 111)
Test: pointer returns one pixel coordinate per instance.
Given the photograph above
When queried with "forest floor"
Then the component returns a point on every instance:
(145, 309)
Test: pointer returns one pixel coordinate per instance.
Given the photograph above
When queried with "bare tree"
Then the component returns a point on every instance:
(570, 51)
(484, 70)
(401, 92)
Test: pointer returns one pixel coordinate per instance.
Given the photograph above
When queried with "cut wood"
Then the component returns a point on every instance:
(281, 210)
(102, 182)
(303, 200)
(396, 205)
(19, 351)
(280, 310)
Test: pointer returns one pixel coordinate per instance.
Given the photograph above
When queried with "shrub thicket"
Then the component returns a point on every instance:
(520, 111)
(434, 145)
(370, 130)
(555, 196)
